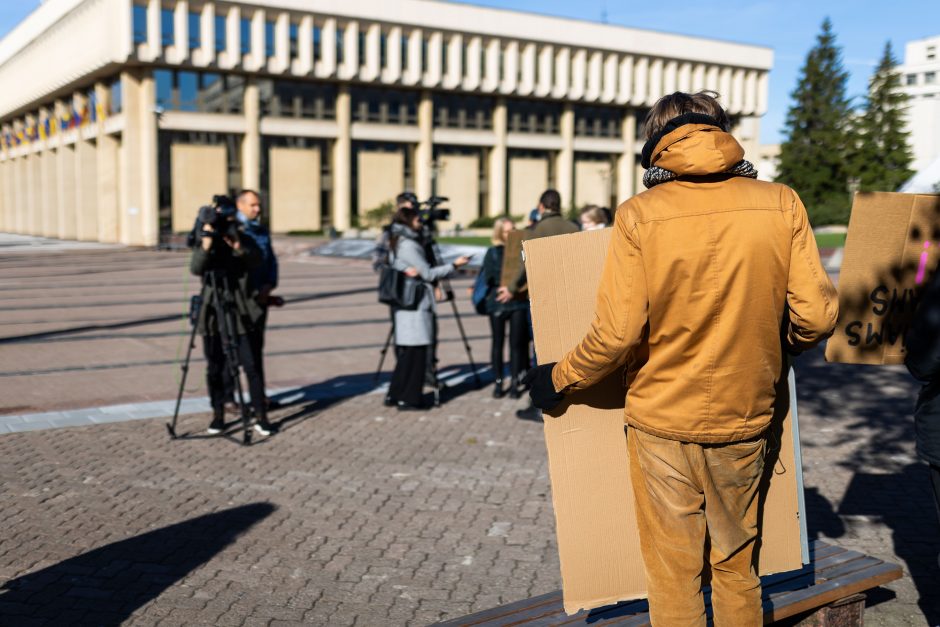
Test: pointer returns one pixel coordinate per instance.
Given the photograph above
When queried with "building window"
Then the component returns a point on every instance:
(293, 40)
(383, 50)
(930, 78)
(294, 99)
(117, 96)
(269, 39)
(464, 112)
(529, 116)
(205, 92)
(362, 47)
(911, 79)
(931, 53)
(195, 31)
(597, 122)
(384, 106)
(221, 33)
(245, 35)
(140, 24)
(340, 45)
(167, 27)
(316, 42)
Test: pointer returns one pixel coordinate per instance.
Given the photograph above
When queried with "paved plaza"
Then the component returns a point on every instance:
(353, 514)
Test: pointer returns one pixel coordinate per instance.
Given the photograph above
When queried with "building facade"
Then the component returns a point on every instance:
(127, 115)
(920, 80)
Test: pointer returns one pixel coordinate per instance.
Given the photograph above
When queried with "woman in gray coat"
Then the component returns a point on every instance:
(414, 329)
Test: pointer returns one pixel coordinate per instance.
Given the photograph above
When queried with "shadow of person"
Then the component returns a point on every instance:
(822, 521)
(106, 585)
(904, 502)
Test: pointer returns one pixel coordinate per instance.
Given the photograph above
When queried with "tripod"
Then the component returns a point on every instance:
(224, 307)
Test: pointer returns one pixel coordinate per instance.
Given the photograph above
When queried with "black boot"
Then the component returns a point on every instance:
(514, 391)
(217, 425)
(498, 391)
(529, 413)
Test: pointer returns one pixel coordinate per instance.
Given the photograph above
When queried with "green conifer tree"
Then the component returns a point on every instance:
(883, 159)
(814, 158)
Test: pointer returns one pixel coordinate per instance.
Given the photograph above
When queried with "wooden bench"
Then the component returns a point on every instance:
(830, 587)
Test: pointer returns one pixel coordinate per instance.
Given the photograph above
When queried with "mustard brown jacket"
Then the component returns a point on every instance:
(702, 275)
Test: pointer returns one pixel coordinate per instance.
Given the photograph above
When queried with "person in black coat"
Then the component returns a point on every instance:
(923, 361)
(515, 312)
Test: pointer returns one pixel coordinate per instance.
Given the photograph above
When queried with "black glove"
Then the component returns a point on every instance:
(541, 388)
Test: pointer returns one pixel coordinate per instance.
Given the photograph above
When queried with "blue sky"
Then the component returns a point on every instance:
(788, 26)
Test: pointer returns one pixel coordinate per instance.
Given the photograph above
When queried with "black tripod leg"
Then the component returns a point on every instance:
(388, 342)
(230, 348)
(466, 344)
(171, 427)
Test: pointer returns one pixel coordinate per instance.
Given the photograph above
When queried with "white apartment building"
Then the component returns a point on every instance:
(920, 80)
(125, 116)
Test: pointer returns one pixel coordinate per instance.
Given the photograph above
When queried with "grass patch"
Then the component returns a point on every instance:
(466, 241)
(830, 240)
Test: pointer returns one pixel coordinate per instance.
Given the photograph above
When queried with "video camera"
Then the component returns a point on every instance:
(431, 212)
(220, 215)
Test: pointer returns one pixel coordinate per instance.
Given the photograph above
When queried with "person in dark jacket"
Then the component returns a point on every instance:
(264, 276)
(923, 361)
(515, 312)
(231, 259)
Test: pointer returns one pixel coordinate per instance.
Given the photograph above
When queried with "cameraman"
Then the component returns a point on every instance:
(227, 252)
(264, 276)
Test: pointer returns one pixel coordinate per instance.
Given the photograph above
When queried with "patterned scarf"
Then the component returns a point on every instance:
(656, 175)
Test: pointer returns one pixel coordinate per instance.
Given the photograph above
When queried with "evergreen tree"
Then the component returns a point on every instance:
(814, 157)
(883, 160)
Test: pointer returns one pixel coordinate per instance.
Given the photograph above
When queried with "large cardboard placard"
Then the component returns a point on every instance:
(589, 468)
(512, 259)
(891, 252)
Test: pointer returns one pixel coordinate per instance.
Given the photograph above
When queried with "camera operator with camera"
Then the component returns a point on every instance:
(224, 256)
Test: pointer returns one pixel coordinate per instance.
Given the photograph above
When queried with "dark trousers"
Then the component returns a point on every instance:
(935, 480)
(407, 383)
(256, 341)
(217, 368)
(518, 342)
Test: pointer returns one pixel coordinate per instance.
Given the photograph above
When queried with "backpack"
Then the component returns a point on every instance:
(480, 293)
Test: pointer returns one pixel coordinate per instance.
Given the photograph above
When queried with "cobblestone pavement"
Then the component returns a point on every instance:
(353, 514)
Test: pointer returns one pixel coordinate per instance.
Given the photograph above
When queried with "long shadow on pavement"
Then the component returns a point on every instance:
(106, 585)
(877, 401)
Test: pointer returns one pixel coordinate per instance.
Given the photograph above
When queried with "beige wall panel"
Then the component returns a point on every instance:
(49, 194)
(6, 222)
(107, 149)
(86, 191)
(528, 178)
(21, 190)
(34, 198)
(459, 180)
(66, 191)
(381, 178)
(198, 172)
(295, 189)
(592, 183)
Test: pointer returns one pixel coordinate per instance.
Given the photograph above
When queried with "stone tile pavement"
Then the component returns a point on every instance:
(353, 514)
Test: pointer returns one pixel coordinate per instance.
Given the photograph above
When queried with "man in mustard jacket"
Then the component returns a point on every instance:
(701, 271)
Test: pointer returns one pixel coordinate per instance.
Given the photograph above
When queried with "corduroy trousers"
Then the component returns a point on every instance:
(697, 504)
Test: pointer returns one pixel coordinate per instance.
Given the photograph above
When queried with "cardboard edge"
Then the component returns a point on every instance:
(586, 606)
(798, 467)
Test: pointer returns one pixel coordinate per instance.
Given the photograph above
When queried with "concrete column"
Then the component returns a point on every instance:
(640, 81)
(685, 77)
(326, 64)
(424, 154)
(138, 219)
(303, 64)
(510, 68)
(656, 82)
(372, 55)
(491, 66)
(625, 80)
(564, 160)
(474, 70)
(206, 53)
(4, 192)
(670, 77)
(108, 194)
(578, 75)
(527, 69)
(251, 142)
(611, 69)
(351, 53)
(626, 161)
(179, 52)
(342, 162)
(546, 64)
(21, 191)
(762, 88)
(433, 71)
(498, 158)
(562, 73)
(698, 77)
(48, 184)
(595, 74)
(232, 56)
(33, 195)
(85, 190)
(413, 68)
(454, 52)
(393, 61)
(280, 62)
(154, 34)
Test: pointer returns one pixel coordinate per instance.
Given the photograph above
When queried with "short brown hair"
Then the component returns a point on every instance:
(678, 103)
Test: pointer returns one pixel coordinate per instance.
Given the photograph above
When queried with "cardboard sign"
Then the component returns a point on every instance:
(589, 468)
(512, 259)
(891, 251)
